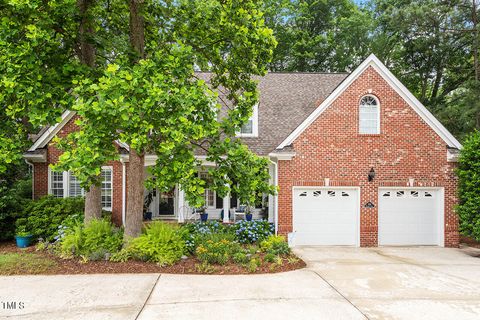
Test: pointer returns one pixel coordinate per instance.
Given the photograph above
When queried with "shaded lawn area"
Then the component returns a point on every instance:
(25, 263)
(16, 261)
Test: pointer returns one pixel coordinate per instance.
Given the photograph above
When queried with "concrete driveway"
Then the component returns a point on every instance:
(339, 283)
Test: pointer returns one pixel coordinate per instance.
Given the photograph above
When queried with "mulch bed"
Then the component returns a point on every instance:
(469, 242)
(187, 266)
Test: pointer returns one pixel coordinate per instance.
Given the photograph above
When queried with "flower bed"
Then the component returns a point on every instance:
(211, 247)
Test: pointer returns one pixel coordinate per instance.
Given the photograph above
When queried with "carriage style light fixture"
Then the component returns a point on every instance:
(371, 175)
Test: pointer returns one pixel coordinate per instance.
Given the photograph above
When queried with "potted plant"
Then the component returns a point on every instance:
(203, 214)
(147, 215)
(248, 213)
(23, 237)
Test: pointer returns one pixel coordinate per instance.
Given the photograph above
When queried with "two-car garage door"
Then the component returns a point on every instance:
(330, 216)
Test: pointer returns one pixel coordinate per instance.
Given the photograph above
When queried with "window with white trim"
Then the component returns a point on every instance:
(106, 176)
(65, 184)
(56, 184)
(369, 115)
(208, 194)
(74, 188)
(250, 128)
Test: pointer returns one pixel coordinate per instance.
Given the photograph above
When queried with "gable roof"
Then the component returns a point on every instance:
(373, 61)
(45, 135)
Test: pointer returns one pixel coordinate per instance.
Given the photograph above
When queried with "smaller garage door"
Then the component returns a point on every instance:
(410, 217)
(325, 216)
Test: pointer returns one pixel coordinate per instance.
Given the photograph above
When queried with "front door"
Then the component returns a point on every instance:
(166, 203)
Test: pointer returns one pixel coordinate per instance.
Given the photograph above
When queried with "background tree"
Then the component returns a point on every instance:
(469, 184)
(43, 48)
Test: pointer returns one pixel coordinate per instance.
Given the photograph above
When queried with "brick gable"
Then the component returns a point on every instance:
(406, 148)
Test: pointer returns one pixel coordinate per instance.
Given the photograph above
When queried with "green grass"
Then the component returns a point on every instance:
(24, 263)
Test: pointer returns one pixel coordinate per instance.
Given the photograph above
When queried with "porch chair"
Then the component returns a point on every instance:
(239, 212)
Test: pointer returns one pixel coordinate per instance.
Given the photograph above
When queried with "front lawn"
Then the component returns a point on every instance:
(25, 263)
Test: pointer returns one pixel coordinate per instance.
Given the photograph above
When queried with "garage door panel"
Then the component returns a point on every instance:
(325, 216)
(408, 217)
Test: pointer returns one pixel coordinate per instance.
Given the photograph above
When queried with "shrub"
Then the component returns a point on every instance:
(194, 232)
(253, 231)
(241, 258)
(13, 199)
(95, 241)
(275, 245)
(160, 242)
(253, 265)
(269, 257)
(42, 217)
(469, 182)
(217, 249)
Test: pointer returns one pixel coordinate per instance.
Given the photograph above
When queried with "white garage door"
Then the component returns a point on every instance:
(325, 216)
(410, 217)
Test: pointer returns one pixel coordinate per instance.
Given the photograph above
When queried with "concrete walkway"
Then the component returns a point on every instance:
(339, 283)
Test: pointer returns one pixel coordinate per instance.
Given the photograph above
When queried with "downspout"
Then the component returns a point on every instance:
(123, 191)
(33, 177)
(275, 197)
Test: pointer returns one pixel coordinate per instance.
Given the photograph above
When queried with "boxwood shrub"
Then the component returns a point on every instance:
(43, 217)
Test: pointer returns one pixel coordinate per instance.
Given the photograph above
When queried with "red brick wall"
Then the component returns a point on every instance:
(406, 147)
(41, 174)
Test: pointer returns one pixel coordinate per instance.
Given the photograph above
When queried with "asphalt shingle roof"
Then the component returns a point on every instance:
(286, 99)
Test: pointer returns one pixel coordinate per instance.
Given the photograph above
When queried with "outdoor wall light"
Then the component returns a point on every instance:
(371, 175)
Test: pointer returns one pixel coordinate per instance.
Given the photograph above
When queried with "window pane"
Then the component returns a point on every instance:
(368, 116)
(247, 127)
(56, 187)
(106, 188)
(74, 189)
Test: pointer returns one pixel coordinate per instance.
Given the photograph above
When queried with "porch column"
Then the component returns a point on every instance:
(181, 205)
(271, 198)
(226, 208)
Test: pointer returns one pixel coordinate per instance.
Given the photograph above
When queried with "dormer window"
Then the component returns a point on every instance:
(250, 128)
(369, 116)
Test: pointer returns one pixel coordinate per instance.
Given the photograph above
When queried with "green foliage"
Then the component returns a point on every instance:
(14, 195)
(252, 231)
(95, 241)
(253, 265)
(469, 186)
(43, 217)
(204, 267)
(275, 245)
(217, 249)
(36, 67)
(429, 45)
(241, 258)
(160, 242)
(269, 257)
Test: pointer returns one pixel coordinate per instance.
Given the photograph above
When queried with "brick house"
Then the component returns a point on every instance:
(358, 160)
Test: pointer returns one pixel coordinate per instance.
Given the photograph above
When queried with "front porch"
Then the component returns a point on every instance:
(172, 205)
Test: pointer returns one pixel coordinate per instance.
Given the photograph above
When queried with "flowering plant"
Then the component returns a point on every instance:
(196, 230)
(253, 231)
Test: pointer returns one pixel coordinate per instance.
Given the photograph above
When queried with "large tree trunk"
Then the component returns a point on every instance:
(134, 214)
(93, 203)
(86, 54)
(136, 179)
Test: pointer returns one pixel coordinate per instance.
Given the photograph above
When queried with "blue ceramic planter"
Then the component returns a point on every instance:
(204, 217)
(248, 217)
(23, 242)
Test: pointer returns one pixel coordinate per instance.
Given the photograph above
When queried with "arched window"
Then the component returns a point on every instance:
(369, 116)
